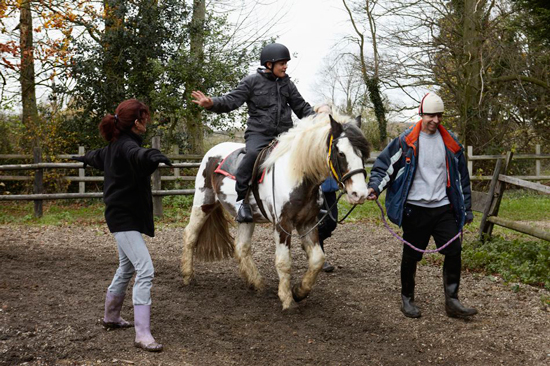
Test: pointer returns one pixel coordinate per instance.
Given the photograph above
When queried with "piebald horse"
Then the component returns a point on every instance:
(317, 147)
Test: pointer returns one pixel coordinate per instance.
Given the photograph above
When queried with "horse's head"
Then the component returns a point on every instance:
(348, 150)
(306, 147)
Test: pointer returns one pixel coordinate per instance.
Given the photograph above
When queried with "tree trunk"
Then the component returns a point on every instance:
(193, 122)
(372, 82)
(27, 75)
(373, 86)
(113, 89)
(471, 122)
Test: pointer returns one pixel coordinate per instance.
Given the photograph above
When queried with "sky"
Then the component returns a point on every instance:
(311, 29)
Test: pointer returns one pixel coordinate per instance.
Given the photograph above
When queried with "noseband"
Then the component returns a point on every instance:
(337, 173)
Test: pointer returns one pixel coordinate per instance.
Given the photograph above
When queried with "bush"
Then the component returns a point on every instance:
(516, 260)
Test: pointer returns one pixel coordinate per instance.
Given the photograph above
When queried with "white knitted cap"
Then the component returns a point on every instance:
(431, 104)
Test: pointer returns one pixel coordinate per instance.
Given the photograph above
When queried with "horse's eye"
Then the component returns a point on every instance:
(341, 154)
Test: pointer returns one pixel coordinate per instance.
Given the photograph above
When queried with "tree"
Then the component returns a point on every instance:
(372, 78)
(193, 121)
(490, 72)
(28, 92)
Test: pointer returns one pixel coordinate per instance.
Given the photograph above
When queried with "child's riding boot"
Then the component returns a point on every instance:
(451, 281)
(408, 273)
(244, 211)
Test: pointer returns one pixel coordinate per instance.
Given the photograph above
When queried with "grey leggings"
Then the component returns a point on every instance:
(133, 257)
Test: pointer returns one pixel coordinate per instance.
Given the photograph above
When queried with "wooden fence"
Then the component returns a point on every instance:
(38, 166)
(189, 161)
(537, 156)
(488, 203)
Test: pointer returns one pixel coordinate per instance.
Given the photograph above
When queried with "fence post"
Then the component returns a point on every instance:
(38, 182)
(537, 161)
(176, 151)
(157, 200)
(470, 162)
(81, 185)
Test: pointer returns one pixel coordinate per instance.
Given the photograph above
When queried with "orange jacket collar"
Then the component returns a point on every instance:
(448, 140)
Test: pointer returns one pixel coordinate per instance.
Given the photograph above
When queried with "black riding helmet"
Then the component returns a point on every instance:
(274, 52)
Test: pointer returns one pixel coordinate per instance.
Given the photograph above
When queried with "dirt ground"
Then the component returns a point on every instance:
(53, 280)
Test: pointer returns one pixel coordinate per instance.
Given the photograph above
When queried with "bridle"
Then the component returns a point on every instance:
(337, 172)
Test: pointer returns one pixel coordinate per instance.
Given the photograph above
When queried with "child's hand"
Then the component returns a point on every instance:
(201, 99)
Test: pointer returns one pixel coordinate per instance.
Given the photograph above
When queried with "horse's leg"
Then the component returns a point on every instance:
(316, 258)
(283, 263)
(247, 267)
(190, 236)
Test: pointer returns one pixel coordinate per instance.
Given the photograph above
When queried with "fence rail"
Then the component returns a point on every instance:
(489, 203)
(537, 156)
(38, 166)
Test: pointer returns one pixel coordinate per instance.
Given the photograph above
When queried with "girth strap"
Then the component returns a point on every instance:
(255, 186)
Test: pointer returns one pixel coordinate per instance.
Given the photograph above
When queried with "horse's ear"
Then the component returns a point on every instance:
(336, 127)
(358, 121)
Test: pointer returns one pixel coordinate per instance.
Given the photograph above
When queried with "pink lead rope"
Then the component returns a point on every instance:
(409, 244)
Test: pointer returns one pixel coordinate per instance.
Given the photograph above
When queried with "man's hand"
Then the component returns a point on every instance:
(201, 99)
(371, 195)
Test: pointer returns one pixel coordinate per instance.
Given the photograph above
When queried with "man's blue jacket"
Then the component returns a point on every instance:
(395, 167)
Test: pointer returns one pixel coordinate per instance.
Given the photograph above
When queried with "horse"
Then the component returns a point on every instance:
(289, 196)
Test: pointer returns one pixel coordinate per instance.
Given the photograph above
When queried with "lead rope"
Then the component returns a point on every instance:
(409, 244)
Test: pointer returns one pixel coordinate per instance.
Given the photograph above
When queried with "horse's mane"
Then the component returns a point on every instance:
(307, 145)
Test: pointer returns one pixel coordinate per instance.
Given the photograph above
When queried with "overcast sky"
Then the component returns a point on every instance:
(311, 29)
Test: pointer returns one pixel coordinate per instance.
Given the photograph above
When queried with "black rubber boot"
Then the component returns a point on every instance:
(245, 213)
(451, 281)
(408, 274)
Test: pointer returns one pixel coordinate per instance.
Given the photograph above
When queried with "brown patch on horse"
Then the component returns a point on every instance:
(211, 179)
(209, 169)
(300, 211)
(208, 208)
(214, 240)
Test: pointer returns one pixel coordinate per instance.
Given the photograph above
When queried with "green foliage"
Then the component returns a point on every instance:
(516, 260)
(524, 205)
(143, 53)
(537, 22)
(128, 60)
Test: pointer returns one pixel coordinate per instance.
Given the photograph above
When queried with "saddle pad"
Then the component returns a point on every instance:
(229, 165)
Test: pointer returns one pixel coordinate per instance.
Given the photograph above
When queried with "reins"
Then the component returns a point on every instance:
(383, 215)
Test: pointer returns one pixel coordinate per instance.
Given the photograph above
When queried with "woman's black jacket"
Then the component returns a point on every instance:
(127, 187)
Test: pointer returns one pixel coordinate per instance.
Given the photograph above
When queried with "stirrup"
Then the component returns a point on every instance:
(245, 213)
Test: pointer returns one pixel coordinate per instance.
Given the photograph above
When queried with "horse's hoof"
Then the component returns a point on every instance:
(290, 307)
(295, 295)
(189, 281)
(259, 288)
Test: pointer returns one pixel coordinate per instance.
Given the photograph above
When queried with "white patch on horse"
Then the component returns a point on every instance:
(356, 185)
(283, 264)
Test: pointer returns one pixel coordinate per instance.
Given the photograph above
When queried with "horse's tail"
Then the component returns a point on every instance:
(214, 240)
